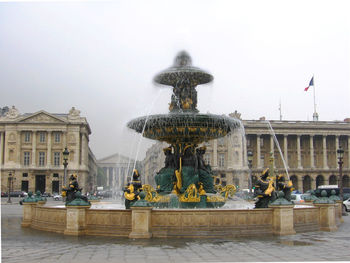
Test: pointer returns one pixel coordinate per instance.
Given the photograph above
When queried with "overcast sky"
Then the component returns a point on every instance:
(102, 57)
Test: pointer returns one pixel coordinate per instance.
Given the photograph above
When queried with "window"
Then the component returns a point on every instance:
(25, 174)
(55, 175)
(207, 159)
(223, 175)
(42, 137)
(57, 137)
(41, 158)
(26, 160)
(221, 141)
(27, 137)
(248, 141)
(57, 158)
(221, 160)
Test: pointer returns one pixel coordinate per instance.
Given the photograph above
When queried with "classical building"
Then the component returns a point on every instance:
(118, 170)
(31, 147)
(307, 148)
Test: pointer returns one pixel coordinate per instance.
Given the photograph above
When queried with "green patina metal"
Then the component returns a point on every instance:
(39, 197)
(280, 200)
(30, 198)
(334, 196)
(78, 201)
(311, 197)
(324, 199)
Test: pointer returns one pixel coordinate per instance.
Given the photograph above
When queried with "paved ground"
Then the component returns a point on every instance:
(28, 245)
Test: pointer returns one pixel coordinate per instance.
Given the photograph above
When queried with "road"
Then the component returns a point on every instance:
(28, 245)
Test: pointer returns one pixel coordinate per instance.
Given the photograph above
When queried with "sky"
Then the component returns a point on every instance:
(101, 57)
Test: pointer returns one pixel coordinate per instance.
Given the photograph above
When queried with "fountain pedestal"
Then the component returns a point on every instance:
(327, 217)
(28, 214)
(283, 223)
(141, 222)
(76, 220)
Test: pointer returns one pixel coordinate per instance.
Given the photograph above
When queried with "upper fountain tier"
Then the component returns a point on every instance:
(184, 124)
(183, 70)
(184, 78)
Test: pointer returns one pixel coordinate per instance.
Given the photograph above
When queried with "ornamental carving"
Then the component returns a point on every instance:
(12, 113)
(74, 114)
(42, 118)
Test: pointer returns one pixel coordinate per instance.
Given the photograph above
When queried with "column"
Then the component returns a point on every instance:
(324, 149)
(336, 148)
(258, 151)
(2, 141)
(18, 147)
(84, 150)
(312, 159)
(348, 151)
(298, 152)
(215, 153)
(285, 149)
(107, 175)
(34, 149)
(49, 133)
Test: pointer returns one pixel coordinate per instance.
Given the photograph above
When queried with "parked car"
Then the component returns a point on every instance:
(297, 199)
(346, 205)
(4, 194)
(57, 197)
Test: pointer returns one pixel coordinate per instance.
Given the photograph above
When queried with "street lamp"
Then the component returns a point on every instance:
(340, 153)
(10, 187)
(250, 165)
(65, 164)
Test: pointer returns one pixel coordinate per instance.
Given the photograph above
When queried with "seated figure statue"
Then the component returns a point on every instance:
(165, 178)
(284, 186)
(73, 187)
(133, 189)
(264, 190)
(205, 175)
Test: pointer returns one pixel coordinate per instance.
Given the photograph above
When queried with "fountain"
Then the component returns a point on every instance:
(185, 180)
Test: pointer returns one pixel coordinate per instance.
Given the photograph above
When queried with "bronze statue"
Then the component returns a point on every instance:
(284, 186)
(170, 161)
(264, 190)
(70, 191)
(133, 189)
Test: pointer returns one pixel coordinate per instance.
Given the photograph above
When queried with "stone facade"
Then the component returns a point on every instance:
(308, 149)
(118, 170)
(31, 147)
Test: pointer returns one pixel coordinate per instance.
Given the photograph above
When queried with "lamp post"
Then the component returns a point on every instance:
(10, 186)
(65, 164)
(340, 153)
(250, 165)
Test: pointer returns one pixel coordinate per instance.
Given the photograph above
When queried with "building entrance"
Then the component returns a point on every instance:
(40, 182)
(24, 186)
(55, 186)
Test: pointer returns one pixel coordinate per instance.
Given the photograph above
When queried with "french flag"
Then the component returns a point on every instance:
(310, 84)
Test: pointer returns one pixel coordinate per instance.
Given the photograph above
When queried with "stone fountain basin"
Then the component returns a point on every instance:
(195, 223)
(184, 127)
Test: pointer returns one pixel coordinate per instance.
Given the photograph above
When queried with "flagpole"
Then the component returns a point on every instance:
(315, 115)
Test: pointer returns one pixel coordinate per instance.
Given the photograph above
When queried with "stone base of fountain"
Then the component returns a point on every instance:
(147, 222)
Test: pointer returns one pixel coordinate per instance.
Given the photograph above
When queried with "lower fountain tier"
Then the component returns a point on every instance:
(184, 127)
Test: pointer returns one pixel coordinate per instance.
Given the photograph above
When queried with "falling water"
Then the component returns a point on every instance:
(144, 126)
(278, 146)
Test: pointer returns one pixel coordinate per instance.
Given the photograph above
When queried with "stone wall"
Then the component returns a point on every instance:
(145, 222)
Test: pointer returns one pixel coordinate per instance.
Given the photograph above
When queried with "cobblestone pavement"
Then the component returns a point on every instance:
(28, 245)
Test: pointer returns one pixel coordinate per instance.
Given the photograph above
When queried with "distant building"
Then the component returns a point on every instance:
(118, 170)
(308, 148)
(31, 147)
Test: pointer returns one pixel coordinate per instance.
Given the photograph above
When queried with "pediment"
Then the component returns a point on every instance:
(115, 158)
(41, 117)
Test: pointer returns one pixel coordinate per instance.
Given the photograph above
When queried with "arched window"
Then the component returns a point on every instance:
(306, 183)
(294, 180)
(319, 180)
(333, 180)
